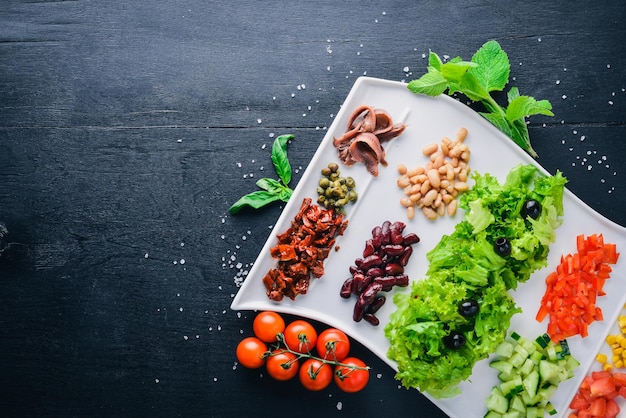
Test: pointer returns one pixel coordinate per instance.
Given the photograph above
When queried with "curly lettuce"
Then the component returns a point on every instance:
(464, 265)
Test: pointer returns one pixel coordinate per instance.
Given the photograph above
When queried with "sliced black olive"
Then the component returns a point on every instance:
(468, 308)
(502, 246)
(454, 340)
(531, 209)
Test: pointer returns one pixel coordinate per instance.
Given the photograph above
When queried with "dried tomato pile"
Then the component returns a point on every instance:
(302, 249)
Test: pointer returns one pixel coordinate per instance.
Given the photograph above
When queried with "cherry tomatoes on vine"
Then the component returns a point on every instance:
(282, 365)
(333, 344)
(300, 336)
(351, 379)
(267, 325)
(250, 352)
(315, 375)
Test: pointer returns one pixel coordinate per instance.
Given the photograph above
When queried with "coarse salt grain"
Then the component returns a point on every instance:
(339, 406)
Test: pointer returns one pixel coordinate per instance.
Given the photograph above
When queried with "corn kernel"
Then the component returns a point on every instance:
(602, 358)
(611, 339)
(618, 350)
(623, 343)
(619, 364)
(607, 367)
(615, 358)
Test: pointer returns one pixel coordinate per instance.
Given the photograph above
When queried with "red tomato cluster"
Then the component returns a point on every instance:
(292, 352)
(596, 395)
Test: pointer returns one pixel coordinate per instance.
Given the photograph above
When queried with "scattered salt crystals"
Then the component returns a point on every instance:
(608, 66)
(156, 380)
(558, 81)
(339, 406)
(259, 120)
(215, 379)
(582, 138)
(328, 68)
(210, 328)
(239, 316)
(384, 13)
(564, 97)
(219, 287)
(223, 236)
(219, 327)
(610, 102)
(180, 309)
(406, 69)
(329, 49)
(271, 135)
(145, 255)
(423, 56)
(293, 94)
(538, 39)
(186, 338)
(239, 165)
(175, 262)
(379, 375)
(179, 141)
(182, 261)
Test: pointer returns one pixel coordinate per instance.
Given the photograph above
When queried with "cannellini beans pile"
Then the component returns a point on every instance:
(433, 188)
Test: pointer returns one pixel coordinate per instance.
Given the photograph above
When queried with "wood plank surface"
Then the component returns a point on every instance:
(127, 129)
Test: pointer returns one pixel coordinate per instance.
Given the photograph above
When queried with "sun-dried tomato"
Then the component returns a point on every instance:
(302, 249)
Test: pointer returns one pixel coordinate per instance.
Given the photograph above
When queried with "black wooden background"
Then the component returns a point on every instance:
(127, 129)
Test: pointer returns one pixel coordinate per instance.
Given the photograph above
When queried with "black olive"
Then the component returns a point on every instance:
(532, 209)
(454, 340)
(502, 246)
(468, 308)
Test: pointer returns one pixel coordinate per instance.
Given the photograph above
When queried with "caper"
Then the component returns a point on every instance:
(350, 182)
(326, 171)
(324, 182)
(333, 167)
(321, 200)
(352, 196)
(334, 175)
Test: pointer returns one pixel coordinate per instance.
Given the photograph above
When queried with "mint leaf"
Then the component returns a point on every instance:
(523, 106)
(499, 121)
(279, 158)
(434, 61)
(488, 71)
(493, 67)
(254, 200)
(432, 83)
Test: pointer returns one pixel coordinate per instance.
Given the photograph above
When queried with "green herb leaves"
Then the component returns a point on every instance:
(488, 71)
(272, 190)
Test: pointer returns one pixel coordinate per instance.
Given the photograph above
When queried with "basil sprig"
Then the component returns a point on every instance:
(272, 190)
(487, 71)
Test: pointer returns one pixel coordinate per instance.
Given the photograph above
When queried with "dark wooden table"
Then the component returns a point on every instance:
(127, 129)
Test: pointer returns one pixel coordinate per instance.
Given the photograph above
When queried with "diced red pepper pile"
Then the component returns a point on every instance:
(570, 298)
(596, 395)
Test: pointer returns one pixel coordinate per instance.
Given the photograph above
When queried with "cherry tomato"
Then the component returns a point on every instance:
(300, 336)
(250, 352)
(333, 344)
(267, 324)
(282, 365)
(351, 380)
(315, 375)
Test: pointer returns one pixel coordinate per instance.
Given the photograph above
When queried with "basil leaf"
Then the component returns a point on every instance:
(279, 158)
(271, 185)
(254, 200)
(493, 68)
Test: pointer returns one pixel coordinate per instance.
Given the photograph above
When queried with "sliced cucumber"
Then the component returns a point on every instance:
(529, 372)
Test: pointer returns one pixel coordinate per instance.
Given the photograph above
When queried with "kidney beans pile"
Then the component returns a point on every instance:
(381, 268)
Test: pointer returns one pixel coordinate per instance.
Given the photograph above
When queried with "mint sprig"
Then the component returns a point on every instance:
(487, 71)
(272, 190)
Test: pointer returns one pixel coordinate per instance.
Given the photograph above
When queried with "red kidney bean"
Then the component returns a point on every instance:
(393, 249)
(378, 302)
(386, 232)
(346, 288)
(358, 312)
(396, 229)
(394, 269)
(369, 248)
(375, 272)
(402, 280)
(369, 294)
(404, 257)
(373, 260)
(380, 269)
(371, 318)
(377, 236)
(388, 282)
(410, 239)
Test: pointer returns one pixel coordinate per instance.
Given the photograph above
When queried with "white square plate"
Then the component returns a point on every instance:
(428, 120)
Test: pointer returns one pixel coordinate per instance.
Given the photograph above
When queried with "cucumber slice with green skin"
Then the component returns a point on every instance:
(529, 372)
